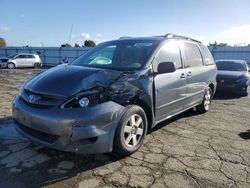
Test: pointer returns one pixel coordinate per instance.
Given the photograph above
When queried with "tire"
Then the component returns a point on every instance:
(131, 131)
(36, 65)
(206, 103)
(11, 65)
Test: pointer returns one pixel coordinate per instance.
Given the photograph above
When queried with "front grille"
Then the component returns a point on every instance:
(50, 138)
(40, 106)
(44, 96)
(42, 101)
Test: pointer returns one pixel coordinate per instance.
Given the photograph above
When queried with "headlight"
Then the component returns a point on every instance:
(85, 99)
(242, 80)
(84, 102)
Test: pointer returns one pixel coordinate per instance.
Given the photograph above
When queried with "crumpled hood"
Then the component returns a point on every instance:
(230, 74)
(67, 80)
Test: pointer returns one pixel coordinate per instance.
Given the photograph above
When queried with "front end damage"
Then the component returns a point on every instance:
(60, 122)
(80, 130)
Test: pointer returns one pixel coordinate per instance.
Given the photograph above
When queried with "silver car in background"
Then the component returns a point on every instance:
(23, 60)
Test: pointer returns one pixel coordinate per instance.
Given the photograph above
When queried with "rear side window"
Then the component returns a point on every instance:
(207, 56)
(192, 55)
(30, 56)
(169, 53)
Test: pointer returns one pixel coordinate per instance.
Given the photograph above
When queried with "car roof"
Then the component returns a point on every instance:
(138, 39)
(158, 38)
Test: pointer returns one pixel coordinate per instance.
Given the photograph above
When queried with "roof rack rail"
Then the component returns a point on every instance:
(125, 37)
(170, 35)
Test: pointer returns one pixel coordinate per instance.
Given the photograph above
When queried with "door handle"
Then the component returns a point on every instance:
(189, 74)
(183, 75)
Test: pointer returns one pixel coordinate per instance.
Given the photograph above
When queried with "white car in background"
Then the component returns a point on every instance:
(23, 60)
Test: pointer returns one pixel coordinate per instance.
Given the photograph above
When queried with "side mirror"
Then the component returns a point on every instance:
(166, 67)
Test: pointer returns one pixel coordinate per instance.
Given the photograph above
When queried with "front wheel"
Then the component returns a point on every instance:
(206, 103)
(11, 65)
(131, 131)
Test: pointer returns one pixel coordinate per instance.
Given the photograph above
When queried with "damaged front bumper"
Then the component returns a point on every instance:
(81, 130)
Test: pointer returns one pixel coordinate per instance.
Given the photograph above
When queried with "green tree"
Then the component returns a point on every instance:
(213, 44)
(89, 43)
(77, 45)
(66, 45)
(222, 44)
(2, 42)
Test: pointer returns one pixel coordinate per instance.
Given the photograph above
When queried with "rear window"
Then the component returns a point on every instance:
(231, 66)
(207, 56)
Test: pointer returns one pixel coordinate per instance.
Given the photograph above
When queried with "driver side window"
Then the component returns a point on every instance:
(21, 57)
(169, 52)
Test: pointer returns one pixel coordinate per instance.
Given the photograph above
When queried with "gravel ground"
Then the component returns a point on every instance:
(190, 150)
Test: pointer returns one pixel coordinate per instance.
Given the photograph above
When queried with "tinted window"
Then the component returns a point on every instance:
(192, 55)
(207, 56)
(21, 56)
(30, 56)
(169, 53)
(231, 66)
(121, 55)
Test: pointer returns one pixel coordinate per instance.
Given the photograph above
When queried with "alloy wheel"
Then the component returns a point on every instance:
(133, 131)
(207, 100)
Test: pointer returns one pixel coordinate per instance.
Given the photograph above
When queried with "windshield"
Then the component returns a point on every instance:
(231, 66)
(120, 55)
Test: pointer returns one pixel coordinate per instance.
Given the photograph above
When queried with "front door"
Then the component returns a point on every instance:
(170, 88)
(21, 60)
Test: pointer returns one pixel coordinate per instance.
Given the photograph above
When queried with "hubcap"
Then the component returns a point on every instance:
(133, 130)
(207, 100)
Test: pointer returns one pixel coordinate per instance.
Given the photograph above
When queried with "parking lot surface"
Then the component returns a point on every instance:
(190, 150)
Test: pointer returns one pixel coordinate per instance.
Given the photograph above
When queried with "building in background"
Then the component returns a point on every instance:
(231, 53)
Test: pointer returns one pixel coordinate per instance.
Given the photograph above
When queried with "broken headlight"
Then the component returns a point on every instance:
(85, 99)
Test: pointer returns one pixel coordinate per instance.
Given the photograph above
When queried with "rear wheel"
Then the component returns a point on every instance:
(36, 65)
(11, 65)
(206, 103)
(131, 131)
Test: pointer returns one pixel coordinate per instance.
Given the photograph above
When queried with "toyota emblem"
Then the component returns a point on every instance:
(33, 98)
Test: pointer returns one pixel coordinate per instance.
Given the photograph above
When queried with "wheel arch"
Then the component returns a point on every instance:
(147, 109)
(212, 87)
(12, 62)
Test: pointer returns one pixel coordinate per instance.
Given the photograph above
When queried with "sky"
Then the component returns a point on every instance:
(54, 22)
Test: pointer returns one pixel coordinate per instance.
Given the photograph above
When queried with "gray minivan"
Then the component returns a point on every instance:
(107, 99)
